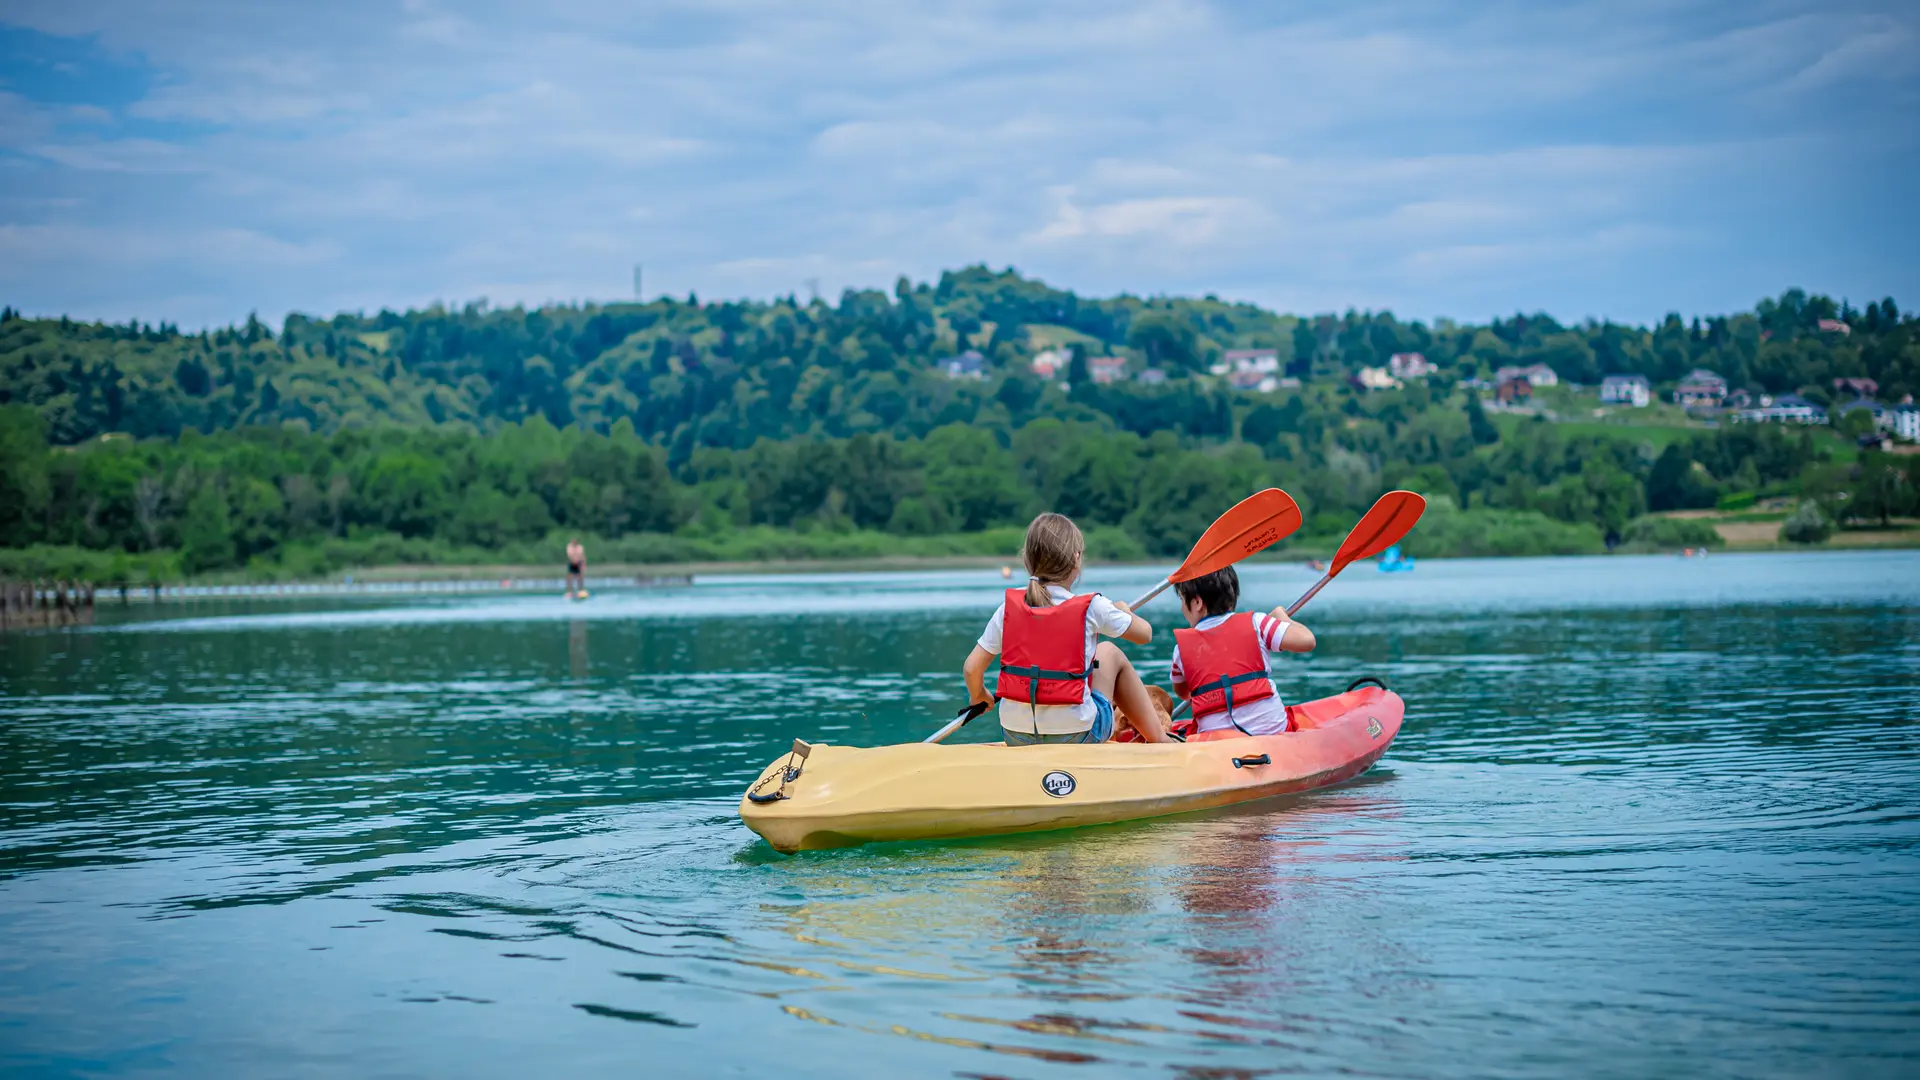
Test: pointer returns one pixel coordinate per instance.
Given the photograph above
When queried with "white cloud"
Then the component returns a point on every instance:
(1436, 161)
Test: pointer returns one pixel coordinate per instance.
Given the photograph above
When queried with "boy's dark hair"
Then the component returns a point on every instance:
(1219, 591)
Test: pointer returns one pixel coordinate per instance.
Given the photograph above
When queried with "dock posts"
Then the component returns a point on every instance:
(27, 605)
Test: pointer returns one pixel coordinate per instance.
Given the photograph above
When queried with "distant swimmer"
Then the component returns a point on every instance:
(576, 568)
(1006, 571)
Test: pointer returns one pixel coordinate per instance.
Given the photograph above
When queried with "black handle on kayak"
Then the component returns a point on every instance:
(755, 797)
(1258, 759)
(1364, 680)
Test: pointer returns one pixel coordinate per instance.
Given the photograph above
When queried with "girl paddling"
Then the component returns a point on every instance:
(1058, 682)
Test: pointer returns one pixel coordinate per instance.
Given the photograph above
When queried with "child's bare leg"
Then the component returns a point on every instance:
(1116, 678)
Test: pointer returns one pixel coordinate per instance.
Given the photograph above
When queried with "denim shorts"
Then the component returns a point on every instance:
(1101, 731)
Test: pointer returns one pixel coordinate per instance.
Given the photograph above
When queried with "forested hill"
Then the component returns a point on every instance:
(726, 374)
(675, 431)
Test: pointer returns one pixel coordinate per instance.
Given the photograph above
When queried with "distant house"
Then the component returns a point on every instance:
(1409, 365)
(1107, 369)
(1785, 409)
(968, 365)
(1264, 361)
(1152, 376)
(1906, 422)
(1858, 387)
(1702, 389)
(1050, 363)
(1535, 374)
(1252, 380)
(1739, 399)
(1882, 416)
(1626, 390)
(1374, 378)
(1834, 326)
(1514, 390)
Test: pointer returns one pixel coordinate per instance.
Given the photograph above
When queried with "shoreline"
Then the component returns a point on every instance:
(1739, 534)
(533, 578)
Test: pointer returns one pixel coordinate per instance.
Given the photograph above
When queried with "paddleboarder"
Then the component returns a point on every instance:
(576, 568)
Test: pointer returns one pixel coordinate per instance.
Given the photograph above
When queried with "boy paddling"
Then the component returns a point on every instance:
(1221, 664)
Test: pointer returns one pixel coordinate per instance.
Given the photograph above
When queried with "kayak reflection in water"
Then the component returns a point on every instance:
(1058, 682)
(1221, 664)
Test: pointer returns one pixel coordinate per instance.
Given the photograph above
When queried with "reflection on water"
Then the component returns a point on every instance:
(577, 649)
(1647, 816)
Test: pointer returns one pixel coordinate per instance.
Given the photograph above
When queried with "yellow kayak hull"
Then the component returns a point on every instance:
(844, 795)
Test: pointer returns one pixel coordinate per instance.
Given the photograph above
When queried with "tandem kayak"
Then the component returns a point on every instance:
(823, 796)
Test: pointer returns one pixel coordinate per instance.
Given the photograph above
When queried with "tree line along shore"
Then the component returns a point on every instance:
(925, 423)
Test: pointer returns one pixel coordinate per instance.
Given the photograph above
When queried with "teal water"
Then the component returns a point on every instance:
(1647, 816)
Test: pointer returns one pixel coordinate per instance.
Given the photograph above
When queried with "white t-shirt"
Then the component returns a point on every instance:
(1103, 617)
(1268, 716)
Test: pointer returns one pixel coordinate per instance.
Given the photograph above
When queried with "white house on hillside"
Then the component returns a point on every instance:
(1255, 361)
(1535, 374)
(1374, 378)
(1409, 365)
(1785, 409)
(1050, 363)
(1906, 422)
(1701, 388)
(1626, 390)
(1107, 369)
(968, 365)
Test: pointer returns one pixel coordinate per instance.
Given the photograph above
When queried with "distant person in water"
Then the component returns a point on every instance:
(576, 567)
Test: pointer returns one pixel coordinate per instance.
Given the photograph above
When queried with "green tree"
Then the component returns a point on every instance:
(1807, 525)
(206, 536)
(1482, 429)
(1168, 340)
(24, 488)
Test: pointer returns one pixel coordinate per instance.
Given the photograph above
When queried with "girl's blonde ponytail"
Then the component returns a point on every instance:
(1052, 554)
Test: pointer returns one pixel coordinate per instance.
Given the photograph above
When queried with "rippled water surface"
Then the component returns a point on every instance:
(1647, 816)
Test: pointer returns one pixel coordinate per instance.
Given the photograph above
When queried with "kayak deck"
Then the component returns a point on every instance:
(844, 795)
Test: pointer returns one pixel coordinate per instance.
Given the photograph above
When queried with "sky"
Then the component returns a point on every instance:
(196, 160)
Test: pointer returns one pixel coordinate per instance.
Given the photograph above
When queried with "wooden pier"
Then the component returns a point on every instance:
(37, 604)
(33, 605)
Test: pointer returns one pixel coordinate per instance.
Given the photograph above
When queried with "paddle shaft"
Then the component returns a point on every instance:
(1153, 592)
(966, 715)
(1309, 594)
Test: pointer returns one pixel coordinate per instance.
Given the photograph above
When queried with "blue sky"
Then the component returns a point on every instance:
(199, 159)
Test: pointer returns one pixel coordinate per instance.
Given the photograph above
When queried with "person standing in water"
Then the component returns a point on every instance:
(576, 568)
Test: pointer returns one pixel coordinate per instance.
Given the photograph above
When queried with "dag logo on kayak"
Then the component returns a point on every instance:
(1057, 784)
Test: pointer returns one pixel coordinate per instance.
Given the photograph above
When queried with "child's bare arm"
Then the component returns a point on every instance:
(975, 670)
(1139, 631)
(1297, 638)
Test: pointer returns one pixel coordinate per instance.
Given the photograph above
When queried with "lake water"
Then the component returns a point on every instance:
(1647, 816)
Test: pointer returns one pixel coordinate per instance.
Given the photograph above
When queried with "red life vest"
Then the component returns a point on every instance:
(1043, 651)
(1224, 665)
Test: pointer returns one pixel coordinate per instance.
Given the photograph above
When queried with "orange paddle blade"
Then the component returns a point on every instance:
(1386, 524)
(1258, 521)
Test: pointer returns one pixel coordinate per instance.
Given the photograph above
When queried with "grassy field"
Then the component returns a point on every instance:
(1759, 530)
